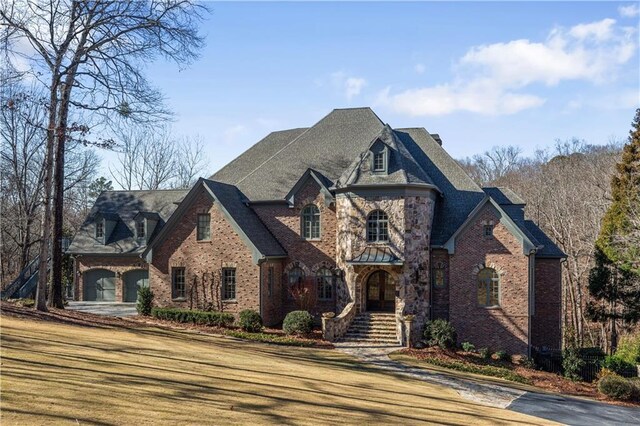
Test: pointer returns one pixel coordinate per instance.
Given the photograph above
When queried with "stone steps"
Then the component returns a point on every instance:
(372, 328)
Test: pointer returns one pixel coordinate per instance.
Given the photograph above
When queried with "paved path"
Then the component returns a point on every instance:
(105, 308)
(567, 410)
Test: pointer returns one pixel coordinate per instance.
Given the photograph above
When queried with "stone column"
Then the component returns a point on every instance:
(407, 320)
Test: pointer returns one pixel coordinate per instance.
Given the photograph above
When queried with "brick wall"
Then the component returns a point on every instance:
(505, 327)
(204, 258)
(310, 255)
(119, 265)
(546, 321)
(440, 295)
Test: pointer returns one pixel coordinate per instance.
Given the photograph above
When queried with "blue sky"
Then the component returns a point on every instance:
(479, 74)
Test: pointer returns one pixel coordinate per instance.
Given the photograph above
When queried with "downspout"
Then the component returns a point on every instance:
(260, 282)
(430, 283)
(532, 294)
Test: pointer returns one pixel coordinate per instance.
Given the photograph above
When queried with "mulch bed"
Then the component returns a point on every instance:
(86, 319)
(541, 379)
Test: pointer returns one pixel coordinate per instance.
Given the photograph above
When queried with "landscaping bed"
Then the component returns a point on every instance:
(268, 335)
(462, 363)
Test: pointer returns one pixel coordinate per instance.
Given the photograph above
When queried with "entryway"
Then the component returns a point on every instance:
(381, 292)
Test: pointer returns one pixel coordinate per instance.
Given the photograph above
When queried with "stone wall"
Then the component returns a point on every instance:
(504, 327)
(119, 265)
(410, 221)
(205, 259)
(546, 322)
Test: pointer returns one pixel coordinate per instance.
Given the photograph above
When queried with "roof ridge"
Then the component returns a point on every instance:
(301, 135)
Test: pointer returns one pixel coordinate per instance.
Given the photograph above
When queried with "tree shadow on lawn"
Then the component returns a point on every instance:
(211, 395)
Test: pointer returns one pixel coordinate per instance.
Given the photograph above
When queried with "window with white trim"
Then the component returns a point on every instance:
(377, 227)
(488, 288)
(324, 277)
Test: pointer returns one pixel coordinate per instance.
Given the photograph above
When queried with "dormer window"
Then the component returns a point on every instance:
(379, 161)
(140, 229)
(100, 229)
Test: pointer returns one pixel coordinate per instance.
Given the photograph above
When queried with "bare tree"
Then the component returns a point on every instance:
(493, 164)
(92, 55)
(153, 159)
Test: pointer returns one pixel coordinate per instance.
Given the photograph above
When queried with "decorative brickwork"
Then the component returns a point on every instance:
(203, 262)
(504, 327)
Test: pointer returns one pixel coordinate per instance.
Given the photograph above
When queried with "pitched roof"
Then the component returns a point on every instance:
(123, 207)
(327, 147)
(240, 216)
(503, 195)
(402, 167)
(234, 205)
(460, 194)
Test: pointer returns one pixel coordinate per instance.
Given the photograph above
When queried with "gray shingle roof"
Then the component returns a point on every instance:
(503, 195)
(123, 206)
(328, 147)
(460, 194)
(234, 204)
(402, 167)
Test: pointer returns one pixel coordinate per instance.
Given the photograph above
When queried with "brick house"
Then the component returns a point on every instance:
(357, 216)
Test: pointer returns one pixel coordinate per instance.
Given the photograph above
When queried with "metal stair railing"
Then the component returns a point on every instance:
(25, 275)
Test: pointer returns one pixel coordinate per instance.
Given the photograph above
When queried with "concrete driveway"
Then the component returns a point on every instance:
(108, 309)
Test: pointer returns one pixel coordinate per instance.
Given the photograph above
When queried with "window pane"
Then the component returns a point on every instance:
(311, 222)
(179, 287)
(325, 284)
(140, 229)
(204, 227)
(482, 293)
(99, 229)
(488, 287)
(229, 284)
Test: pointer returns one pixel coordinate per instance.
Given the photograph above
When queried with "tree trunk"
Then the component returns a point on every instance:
(43, 273)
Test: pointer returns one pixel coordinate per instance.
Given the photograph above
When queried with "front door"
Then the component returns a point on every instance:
(381, 292)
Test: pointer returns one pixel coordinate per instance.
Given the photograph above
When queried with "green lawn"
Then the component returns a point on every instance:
(55, 373)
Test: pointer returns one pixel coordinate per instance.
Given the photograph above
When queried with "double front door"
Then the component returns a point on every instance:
(381, 292)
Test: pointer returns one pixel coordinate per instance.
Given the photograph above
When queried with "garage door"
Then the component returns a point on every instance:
(100, 285)
(133, 281)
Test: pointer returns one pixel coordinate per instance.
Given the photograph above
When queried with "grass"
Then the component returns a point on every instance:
(57, 373)
(269, 338)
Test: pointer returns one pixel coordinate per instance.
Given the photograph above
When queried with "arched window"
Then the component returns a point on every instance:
(324, 278)
(310, 222)
(296, 278)
(488, 287)
(377, 227)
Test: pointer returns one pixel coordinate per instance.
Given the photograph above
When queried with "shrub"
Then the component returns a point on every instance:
(251, 321)
(629, 349)
(440, 333)
(616, 387)
(487, 370)
(484, 353)
(468, 347)
(145, 301)
(528, 362)
(298, 322)
(218, 319)
(572, 363)
(503, 355)
(616, 364)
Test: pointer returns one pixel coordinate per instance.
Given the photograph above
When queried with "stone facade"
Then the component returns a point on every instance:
(410, 219)
(119, 265)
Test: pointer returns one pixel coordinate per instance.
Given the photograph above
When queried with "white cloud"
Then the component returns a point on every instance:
(489, 79)
(349, 86)
(629, 11)
(419, 68)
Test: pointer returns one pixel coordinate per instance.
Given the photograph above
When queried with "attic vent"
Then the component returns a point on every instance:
(436, 137)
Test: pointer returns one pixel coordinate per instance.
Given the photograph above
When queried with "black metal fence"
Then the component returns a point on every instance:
(551, 361)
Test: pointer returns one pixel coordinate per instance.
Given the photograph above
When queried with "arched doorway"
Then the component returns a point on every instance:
(134, 281)
(381, 292)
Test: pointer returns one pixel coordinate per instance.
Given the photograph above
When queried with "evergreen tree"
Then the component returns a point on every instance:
(615, 297)
(619, 237)
(614, 281)
(98, 186)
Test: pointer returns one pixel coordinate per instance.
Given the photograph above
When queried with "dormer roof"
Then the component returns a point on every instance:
(401, 167)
